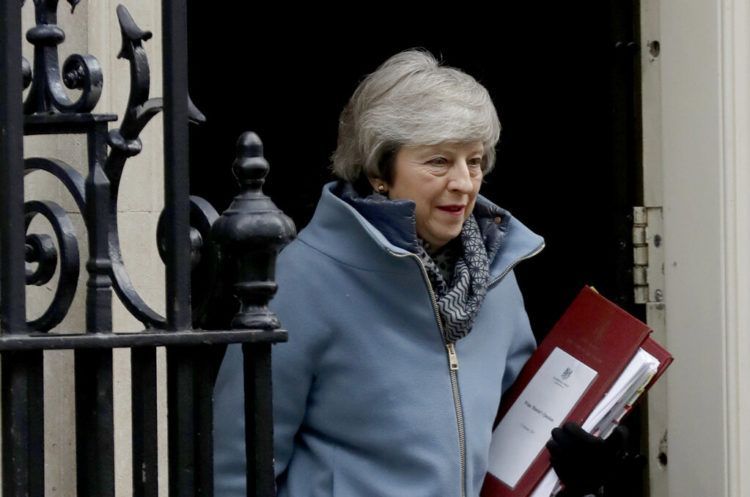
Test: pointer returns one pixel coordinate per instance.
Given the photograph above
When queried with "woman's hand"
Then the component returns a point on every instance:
(586, 464)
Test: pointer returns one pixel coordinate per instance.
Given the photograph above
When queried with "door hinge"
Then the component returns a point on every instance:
(648, 255)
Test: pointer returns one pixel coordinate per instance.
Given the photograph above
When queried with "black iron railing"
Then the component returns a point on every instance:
(232, 253)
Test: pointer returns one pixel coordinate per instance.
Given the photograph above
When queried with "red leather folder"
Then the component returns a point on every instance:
(604, 337)
(665, 359)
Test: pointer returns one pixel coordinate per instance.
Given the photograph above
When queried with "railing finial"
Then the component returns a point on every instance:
(250, 233)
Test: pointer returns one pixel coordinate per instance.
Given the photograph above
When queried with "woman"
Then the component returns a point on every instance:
(405, 320)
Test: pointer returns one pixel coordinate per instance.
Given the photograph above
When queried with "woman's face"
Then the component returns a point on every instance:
(443, 180)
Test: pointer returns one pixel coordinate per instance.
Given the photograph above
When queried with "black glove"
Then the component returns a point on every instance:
(587, 464)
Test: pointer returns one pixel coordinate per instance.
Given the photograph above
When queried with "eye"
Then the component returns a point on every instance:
(437, 161)
(475, 162)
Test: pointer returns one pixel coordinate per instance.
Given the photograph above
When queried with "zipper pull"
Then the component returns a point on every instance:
(452, 356)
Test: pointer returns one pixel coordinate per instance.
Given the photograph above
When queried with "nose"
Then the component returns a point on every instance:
(460, 179)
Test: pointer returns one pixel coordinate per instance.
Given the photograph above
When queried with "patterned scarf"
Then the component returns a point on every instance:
(461, 285)
(460, 296)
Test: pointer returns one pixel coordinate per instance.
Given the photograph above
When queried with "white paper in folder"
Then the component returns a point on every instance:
(548, 398)
(611, 408)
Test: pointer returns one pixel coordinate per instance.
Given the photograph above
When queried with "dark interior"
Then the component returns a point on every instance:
(563, 76)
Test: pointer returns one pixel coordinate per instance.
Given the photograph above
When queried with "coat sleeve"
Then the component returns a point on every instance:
(523, 343)
(293, 367)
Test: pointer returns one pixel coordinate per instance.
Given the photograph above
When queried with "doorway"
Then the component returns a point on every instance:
(564, 77)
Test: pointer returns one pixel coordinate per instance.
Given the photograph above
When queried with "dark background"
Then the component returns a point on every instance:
(560, 73)
(564, 78)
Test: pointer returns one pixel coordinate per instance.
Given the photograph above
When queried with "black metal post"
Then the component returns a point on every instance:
(258, 420)
(181, 383)
(251, 233)
(23, 424)
(190, 424)
(94, 423)
(177, 174)
(204, 422)
(99, 286)
(145, 436)
(12, 246)
(22, 389)
(93, 368)
(182, 421)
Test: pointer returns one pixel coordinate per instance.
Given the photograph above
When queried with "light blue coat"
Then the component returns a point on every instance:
(363, 400)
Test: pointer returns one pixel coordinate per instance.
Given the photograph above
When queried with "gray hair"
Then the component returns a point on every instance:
(412, 100)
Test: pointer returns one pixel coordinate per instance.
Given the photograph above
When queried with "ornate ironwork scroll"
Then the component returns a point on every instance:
(231, 253)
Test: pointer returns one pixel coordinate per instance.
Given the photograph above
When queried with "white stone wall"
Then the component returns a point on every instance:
(93, 29)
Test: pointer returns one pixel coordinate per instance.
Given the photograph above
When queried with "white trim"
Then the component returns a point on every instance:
(736, 205)
(653, 184)
(693, 164)
(653, 189)
(705, 144)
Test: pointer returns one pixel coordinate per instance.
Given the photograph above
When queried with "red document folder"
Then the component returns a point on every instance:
(665, 359)
(604, 337)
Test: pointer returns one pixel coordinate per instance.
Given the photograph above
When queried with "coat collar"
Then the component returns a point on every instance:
(341, 232)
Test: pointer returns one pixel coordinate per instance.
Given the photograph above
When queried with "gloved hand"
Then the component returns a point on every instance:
(585, 463)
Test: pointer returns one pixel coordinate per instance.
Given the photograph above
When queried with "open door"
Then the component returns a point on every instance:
(565, 78)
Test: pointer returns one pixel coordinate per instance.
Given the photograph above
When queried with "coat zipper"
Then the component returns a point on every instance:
(453, 364)
(453, 371)
(453, 356)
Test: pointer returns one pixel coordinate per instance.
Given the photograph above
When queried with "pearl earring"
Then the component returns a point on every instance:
(381, 188)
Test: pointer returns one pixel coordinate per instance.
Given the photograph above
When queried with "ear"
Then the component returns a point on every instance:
(378, 185)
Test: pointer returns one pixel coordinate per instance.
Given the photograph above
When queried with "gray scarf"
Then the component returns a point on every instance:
(461, 295)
